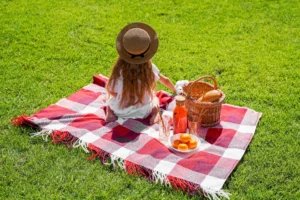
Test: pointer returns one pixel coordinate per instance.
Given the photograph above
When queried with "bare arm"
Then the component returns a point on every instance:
(166, 82)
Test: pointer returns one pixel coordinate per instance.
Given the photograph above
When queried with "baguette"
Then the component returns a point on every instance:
(210, 96)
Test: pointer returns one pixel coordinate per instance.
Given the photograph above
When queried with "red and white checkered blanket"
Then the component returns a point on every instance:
(133, 145)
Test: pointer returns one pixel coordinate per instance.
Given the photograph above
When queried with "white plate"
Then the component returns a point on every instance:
(177, 137)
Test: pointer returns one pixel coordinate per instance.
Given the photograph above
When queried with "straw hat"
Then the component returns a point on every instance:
(137, 43)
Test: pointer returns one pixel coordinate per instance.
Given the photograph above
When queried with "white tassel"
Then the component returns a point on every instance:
(115, 160)
(82, 144)
(212, 194)
(161, 178)
(44, 134)
(120, 163)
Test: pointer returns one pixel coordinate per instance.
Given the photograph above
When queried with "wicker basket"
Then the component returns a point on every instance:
(209, 112)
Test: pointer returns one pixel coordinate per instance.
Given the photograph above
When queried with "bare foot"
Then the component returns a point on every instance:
(110, 116)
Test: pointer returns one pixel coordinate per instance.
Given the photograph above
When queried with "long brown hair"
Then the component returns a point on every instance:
(138, 79)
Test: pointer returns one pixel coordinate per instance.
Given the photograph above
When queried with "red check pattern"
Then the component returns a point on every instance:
(133, 144)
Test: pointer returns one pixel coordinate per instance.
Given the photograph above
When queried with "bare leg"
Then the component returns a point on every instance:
(154, 116)
(110, 115)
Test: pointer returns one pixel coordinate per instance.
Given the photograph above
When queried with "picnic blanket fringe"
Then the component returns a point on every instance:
(62, 137)
(98, 153)
(155, 176)
(67, 139)
(178, 183)
(20, 120)
(212, 194)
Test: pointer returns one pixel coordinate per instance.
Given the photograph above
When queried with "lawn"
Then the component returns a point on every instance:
(50, 49)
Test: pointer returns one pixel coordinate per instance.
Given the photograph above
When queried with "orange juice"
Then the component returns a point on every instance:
(180, 115)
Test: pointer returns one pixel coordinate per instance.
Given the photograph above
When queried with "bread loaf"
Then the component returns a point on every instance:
(210, 96)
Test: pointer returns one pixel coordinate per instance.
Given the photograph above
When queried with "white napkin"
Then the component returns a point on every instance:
(179, 86)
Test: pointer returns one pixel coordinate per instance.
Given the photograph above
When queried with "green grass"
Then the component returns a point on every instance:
(50, 49)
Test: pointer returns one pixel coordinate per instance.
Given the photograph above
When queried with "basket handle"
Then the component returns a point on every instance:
(203, 77)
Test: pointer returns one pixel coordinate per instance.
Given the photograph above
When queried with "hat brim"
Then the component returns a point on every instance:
(148, 54)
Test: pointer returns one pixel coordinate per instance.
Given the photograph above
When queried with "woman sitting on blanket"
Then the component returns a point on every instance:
(131, 86)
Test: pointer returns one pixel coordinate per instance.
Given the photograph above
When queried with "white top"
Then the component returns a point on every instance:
(136, 111)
